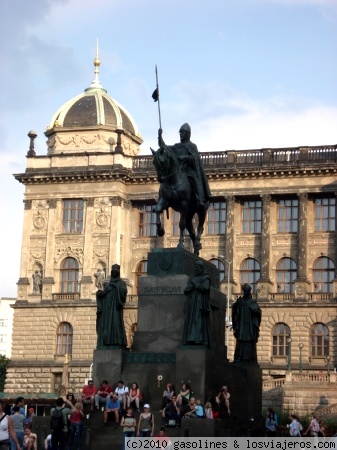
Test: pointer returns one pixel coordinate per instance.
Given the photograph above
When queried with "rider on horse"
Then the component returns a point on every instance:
(189, 161)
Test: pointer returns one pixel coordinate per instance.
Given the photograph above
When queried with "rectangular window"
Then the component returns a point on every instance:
(73, 216)
(288, 216)
(147, 221)
(216, 218)
(325, 214)
(3, 322)
(251, 216)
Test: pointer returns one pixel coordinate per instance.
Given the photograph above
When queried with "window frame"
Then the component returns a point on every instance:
(288, 285)
(146, 221)
(319, 341)
(216, 218)
(280, 344)
(322, 285)
(289, 210)
(64, 339)
(69, 276)
(72, 216)
(250, 275)
(251, 216)
(325, 214)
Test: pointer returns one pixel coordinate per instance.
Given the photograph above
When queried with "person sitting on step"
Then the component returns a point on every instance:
(171, 413)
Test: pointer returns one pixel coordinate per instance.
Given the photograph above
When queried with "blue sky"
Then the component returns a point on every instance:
(245, 74)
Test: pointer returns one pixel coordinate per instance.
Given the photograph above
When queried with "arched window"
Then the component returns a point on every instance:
(69, 276)
(141, 270)
(286, 273)
(324, 272)
(250, 273)
(64, 339)
(219, 265)
(319, 337)
(281, 334)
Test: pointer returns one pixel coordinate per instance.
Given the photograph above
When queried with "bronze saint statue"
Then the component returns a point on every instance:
(183, 185)
(110, 302)
(197, 308)
(246, 318)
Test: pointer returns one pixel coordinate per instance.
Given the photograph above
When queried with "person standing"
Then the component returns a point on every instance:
(110, 302)
(76, 426)
(313, 427)
(146, 423)
(18, 424)
(7, 429)
(128, 423)
(58, 423)
(246, 317)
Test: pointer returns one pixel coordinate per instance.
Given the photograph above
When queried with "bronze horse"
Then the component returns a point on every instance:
(176, 192)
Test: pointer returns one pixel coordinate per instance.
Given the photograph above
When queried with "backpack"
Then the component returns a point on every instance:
(57, 420)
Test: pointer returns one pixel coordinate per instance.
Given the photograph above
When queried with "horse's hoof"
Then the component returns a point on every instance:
(161, 232)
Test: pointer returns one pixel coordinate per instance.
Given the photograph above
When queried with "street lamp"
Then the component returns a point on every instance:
(300, 346)
(328, 364)
(289, 353)
(228, 321)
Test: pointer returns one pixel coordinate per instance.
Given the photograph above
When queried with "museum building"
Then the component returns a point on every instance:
(88, 204)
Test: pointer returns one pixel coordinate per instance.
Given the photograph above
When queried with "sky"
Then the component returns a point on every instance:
(245, 74)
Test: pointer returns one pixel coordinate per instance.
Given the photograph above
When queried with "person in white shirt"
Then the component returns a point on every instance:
(123, 393)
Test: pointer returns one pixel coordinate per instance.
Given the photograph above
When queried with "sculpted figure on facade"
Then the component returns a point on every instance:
(110, 303)
(100, 278)
(246, 317)
(37, 282)
(197, 308)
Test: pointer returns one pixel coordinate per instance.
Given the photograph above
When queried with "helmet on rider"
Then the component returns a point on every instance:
(185, 127)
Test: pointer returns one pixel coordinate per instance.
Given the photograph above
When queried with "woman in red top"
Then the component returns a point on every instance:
(76, 425)
(134, 395)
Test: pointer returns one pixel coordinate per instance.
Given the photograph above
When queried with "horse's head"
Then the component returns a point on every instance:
(165, 163)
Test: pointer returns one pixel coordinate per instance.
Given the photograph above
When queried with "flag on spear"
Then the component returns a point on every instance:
(155, 97)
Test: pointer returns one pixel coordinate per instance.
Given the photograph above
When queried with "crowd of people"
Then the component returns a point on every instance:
(122, 406)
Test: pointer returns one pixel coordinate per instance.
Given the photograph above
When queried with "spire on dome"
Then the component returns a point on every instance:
(96, 83)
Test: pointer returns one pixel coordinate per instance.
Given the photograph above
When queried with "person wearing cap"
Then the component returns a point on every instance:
(145, 423)
(110, 302)
(190, 162)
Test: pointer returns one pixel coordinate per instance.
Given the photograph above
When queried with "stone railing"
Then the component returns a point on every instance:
(131, 300)
(272, 384)
(313, 377)
(320, 297)
(68, 297)
(327, 410)
(281, 297)
(257, 157)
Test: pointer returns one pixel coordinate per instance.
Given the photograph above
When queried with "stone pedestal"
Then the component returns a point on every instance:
(107, 365)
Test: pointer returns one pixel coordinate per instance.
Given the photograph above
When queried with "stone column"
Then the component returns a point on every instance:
(86, 280)
(48, 273)
(230, 235)
(115, 244)
(264, 282)
(24, 282)
(302, 282)
(335, 237)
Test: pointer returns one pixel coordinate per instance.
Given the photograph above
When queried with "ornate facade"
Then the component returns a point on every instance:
(88, 204)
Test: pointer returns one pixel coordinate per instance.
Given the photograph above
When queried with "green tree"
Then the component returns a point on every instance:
(3, 367)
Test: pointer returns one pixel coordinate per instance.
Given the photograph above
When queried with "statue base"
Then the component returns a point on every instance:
(107, 365)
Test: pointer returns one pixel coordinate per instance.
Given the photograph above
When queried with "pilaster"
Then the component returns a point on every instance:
(264, 282)
(302, 281)
(48, 280)
(230, 234)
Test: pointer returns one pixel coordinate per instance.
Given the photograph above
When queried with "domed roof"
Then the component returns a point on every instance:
(94, 108)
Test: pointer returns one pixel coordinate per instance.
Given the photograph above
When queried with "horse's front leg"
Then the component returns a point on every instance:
(158, 209)
(182, 223)
(202, 217)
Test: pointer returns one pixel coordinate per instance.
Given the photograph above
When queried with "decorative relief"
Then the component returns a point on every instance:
(40, 221)
(22, 292)
(116, 201)
(299, 289)
(89, 201)
(39, 204)
(322, 240)
(85, 291)
(68, 252)
(36, 256)
(248, 241)
(74, 241)
(101, 254)
(102, 213)
(89, 140)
